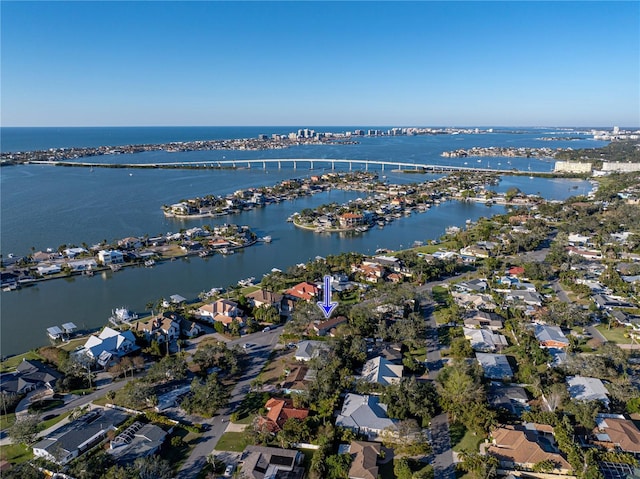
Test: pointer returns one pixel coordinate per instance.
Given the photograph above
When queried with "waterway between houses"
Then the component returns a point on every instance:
(113, 204)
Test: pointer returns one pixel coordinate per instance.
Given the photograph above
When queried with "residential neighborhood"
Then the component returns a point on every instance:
(489, 352)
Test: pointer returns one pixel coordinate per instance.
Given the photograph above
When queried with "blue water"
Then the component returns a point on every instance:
(44, 206)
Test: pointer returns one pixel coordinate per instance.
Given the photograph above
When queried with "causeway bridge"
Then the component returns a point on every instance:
(310, 163)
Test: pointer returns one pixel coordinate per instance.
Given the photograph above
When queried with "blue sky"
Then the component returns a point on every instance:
(320, 63)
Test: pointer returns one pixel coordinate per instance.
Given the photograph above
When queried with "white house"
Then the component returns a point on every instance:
(107, 257)
(382, 371)
(109, 344)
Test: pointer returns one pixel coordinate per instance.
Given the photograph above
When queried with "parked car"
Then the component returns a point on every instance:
(229, 470)
(266, 330)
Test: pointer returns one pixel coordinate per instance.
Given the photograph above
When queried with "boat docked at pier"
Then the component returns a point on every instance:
(122, 315)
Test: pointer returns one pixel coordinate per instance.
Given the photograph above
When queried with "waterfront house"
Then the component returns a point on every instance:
(495, 366)
(109, 257)
(260, 462)
(583, 388)
(303, 291)
(473, 286)
(161, 328)
(108, 345)
(71, 440)
(350, 220)
(131, 242)
(222, 307)
(73, 252)
(44, 269)
(79, 265)
(262, 297)
(380, 370)
(365, 415)
(29, 375)
(522, 447)
(364, 460)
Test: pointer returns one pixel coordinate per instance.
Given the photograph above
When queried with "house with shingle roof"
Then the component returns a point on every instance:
(380, 370)
(615, 432)
(30, 374)
(307, 350)
(260, 462)
(522, 447)
(108, 345)
(364, 463)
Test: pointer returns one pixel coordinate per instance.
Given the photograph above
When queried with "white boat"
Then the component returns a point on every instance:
(226, 251)
(149, 263)
(122, 315)
(266, 239)
(246, 282)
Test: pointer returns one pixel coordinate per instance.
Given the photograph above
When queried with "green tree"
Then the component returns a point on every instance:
(479, 466)
(25, 429)
(401, 468)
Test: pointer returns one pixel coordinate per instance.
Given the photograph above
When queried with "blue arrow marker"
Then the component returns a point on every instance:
(327, 306)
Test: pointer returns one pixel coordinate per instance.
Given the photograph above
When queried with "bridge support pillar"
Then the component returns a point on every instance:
(382, 166)
(333, 165)
(311, 165)
(350, 166)
(264, 165)
(295, 165)
(248, 165)
(279, 165)
(366, 166)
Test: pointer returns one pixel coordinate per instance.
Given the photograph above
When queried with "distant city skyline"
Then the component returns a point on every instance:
(320, 63)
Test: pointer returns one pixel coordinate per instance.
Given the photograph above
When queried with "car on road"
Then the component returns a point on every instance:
(229, 470)
(266, 330)
(247, 345)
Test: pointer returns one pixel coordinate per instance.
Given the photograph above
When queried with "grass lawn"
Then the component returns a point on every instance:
(463, 439)
(615, 334)
(250, 405)
(419, 354)
(45, 405)
(11, 363)
(7, 420)
(440, 294)
(233, 441)
(16, 453)
(177, 455)
(73, 344)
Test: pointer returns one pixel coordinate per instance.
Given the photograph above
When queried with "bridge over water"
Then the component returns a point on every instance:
(311, 163)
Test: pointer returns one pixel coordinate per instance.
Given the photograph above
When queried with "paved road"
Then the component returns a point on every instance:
(262, 345)
(439, 428)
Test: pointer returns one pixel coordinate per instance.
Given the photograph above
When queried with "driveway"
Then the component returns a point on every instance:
(259, 352)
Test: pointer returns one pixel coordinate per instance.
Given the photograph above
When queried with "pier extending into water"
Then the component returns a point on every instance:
(311, 163)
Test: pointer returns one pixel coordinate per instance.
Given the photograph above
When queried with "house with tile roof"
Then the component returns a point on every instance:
(303, 291)
(280, 411)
